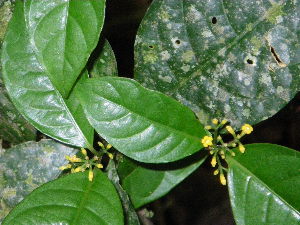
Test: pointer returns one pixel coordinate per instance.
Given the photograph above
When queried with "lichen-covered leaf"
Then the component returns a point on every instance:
(233, 59)
(70, 200)
(30, 89)
(264, 185)
(26, 166)
(145, 125)
(145, 183)
(105, 64)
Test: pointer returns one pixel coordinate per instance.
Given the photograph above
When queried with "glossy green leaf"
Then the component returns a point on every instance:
(64, 33)
(233, 59)
(130, 214)
(145, 183)
(105, 64)
(70, 200)
(264, 185)
(13, 127)
(142, 124)
(26, 166)
(31, 90)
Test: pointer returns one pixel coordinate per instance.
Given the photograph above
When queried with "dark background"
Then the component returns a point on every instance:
(200, 199)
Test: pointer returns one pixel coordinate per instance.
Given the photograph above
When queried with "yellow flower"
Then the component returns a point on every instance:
(230, 130)
(108, 146)
(222, 179)
(83, 151)
(91, 175)
(207, 141)
(213, 161)
(207, 127)
(68, 166)
(73, 158)
(78, 169)
(224, 122)
(99, 165)
(247, 128)
(110, 155)
(241, 148)
(215, 121)
(216, 172)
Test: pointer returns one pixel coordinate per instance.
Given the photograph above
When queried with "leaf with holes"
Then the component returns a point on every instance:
(26, 166)
(233, 59)
(30, 88)
(72, 199)
(142, 124)
(105, 64)
(264, 185)
(145, 183)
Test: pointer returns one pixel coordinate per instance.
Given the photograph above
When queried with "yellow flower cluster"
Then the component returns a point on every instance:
(81, 164)
(218, 148)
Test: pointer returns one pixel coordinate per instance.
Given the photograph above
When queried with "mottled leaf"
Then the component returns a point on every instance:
(264, 185)
(233, 59)
(145, 183)
(105, 64)
(70, 200)
(142, 124)
(64, 33)
(26, 166)
(30, 88)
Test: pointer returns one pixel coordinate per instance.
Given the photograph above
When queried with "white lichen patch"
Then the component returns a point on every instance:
(265, 79)
(246, 113)
(150, 58)
(165, 55)
(186, 68)
(207, 33)
(188, 56)
(283, 93)
(167, 79)
(193, 15)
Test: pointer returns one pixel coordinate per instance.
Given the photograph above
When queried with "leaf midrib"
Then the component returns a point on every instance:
(151, 121)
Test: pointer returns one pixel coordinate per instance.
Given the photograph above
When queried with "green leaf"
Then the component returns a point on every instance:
(233, 59)
(145, 183)
(63, 33)
(26, 166)
(142, 124)
(264, 185)
(70, 200)
(13, 127)
(105, 64)
(31, 90)
(131, 217)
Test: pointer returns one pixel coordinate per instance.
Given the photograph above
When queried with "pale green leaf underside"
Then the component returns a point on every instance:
(264, 185)
(142, 124)
(70, 200)
(64, 33)
(26, 166)
(233, 59)
(31, 90)
(145, 184)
